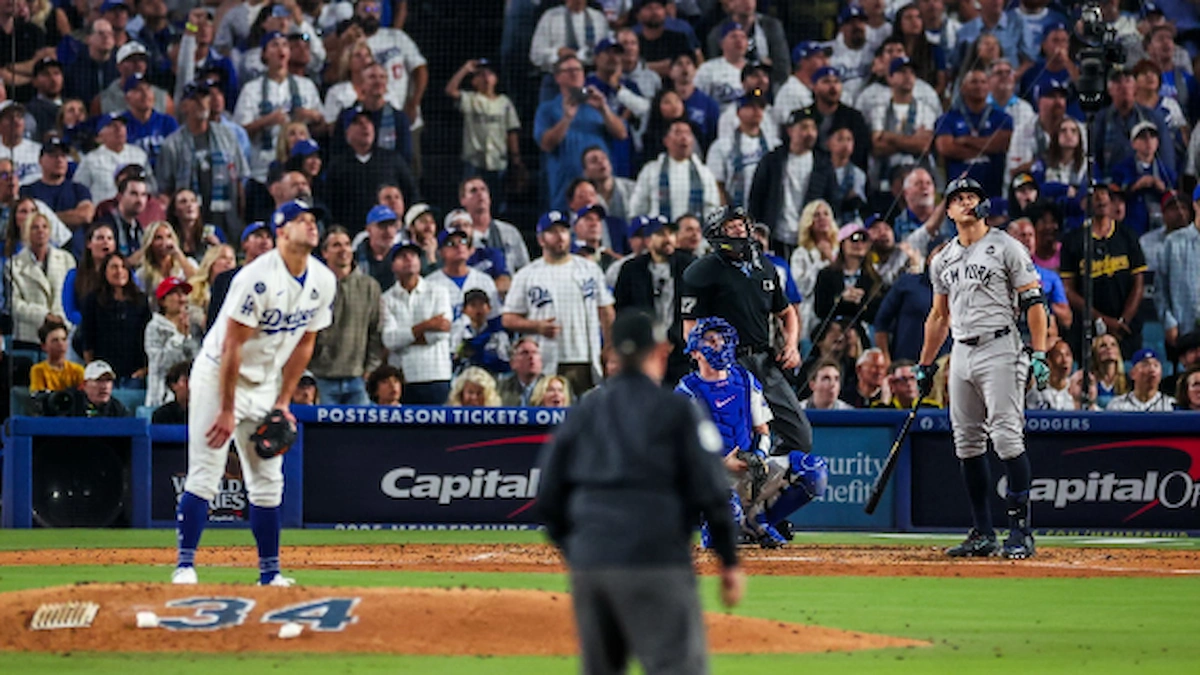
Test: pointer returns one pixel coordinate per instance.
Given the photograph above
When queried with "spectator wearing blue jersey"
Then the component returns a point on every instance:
(1110, 131)
(570, 123)
(1053, 66)
(973, 136)
(71, 202)
(701, 110)
(1144, 179)
(145, 127)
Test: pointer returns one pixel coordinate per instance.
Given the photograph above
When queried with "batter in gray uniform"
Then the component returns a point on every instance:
(981, 279)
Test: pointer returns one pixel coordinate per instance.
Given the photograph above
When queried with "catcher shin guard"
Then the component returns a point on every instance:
(274, 435)
(808, 476)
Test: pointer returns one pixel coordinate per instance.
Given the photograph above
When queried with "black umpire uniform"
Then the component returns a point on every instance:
(747, 294)
(624, 482)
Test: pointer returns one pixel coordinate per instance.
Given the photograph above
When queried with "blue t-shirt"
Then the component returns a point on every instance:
(703, 111)
(149, 135)
(1139, 204)
(1052, 286)
(565, 162)
(63, 197)
(987, 169)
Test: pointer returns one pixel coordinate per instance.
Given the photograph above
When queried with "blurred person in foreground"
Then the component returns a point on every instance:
(632, 580)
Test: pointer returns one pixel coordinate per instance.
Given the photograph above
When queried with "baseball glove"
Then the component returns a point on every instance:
(757, 471)
(274, 435)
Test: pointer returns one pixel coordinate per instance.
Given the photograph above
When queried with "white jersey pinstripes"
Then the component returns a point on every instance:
(572, 294)
(474, 280)
(981, 282)
(265, 296)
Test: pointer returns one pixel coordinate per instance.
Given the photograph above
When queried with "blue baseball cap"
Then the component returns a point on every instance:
(809, 48)
(1143, 354)
(113, 4)
(196, 88)
(607, 44)
(1149, 8)
(850, 13)
(1196, 194)
(1053, 26)
(256, 226)
(552, 218)
(597, 208)
(1051, 87)
(823, 72)
(133, 82)
(872, 219)
(444, 236)
(306, 147)
(290, 211)
(268, 37)
(899, 63)
(104, 120)
(380, 213)
(730, 26)
(644, 226)
(753, 97)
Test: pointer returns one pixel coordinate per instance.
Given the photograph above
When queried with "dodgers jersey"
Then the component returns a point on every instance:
(282, 308)
(981, 282)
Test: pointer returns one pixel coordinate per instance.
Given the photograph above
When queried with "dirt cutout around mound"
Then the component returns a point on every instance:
(794, 560)
(367, 620)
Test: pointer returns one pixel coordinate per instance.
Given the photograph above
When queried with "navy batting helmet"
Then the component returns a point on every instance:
(983, 208)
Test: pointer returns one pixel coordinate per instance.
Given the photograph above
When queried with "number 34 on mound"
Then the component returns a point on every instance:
(212, 613)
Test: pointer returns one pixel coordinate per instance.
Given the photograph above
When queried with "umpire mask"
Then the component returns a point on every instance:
(734, 248)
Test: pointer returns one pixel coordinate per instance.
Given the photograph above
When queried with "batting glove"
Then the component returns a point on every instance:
(1039, 369)
(925, 378)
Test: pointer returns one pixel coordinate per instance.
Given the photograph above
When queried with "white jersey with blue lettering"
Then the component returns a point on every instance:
(280, 307)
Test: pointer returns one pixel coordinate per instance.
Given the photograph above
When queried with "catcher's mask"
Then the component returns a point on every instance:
(719, 357)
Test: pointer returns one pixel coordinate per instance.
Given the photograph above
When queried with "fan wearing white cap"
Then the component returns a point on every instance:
(250, 364)
(95, 398)
(132, 58)
(1144, 178)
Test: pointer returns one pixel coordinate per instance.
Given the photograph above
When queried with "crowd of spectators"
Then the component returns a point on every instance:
(144, 147)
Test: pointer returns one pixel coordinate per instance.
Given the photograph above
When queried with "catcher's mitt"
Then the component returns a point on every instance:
(757, 471)
(274, 435)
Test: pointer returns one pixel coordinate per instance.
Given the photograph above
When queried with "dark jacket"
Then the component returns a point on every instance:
(635, 288)
(828, 291)
(169, 413)
(115, 332)
(220, 288)
(766, 192)
(82, 407)
(852, 119)
(352, 187)
(902, 315)
(628, 450)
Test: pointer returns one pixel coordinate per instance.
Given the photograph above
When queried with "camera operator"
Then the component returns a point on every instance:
(95, 399)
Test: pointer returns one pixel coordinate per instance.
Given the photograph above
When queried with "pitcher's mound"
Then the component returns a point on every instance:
(232, 618)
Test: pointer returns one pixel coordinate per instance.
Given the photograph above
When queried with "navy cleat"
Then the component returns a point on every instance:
(784, 527)
(1018, 545)
(976, 545)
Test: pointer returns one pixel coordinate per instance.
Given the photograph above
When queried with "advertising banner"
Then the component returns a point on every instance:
(435, 474)
(1131, 473)
(168, 471)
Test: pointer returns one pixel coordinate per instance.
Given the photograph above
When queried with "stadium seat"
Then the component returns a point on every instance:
(132, 399)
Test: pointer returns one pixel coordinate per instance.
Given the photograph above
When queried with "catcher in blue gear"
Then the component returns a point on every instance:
(766, 489)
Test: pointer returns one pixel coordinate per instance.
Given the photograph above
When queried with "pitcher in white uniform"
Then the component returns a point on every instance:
(250, 363)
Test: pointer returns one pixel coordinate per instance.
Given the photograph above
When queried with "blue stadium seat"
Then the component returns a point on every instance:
(145, 411)
(132, 399)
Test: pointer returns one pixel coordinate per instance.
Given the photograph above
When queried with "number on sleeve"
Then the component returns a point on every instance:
(210, 614)
(326, 614)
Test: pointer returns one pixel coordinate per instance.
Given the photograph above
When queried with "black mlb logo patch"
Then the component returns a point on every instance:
(768, 285)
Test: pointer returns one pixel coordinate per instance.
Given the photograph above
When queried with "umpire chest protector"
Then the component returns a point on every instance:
(728, 404)
(744, 294)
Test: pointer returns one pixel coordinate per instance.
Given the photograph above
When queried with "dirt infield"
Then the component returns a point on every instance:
(377, 620)
(798, 560)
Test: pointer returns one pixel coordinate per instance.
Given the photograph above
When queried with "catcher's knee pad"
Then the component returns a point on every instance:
(735, 508)
(808, 472)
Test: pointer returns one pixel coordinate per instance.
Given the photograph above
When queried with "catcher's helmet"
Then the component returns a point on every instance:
(719, 359)
(984, 207)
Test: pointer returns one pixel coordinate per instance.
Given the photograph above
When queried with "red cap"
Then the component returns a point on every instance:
(169, 284)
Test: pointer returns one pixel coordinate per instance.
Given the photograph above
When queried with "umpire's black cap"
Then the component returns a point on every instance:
(633, 332)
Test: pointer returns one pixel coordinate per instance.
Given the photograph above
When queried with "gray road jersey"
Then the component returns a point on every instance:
(981, 282)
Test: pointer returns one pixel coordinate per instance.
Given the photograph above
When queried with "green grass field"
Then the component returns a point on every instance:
(1103, 625)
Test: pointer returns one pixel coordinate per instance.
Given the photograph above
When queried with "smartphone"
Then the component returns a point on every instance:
(210, 231)
(580, 95)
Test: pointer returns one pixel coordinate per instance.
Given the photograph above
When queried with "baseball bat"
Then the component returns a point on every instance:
(890, 465)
